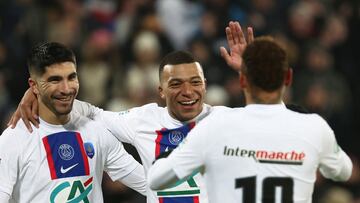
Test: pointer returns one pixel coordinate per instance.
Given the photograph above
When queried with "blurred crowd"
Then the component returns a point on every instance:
(119, 45)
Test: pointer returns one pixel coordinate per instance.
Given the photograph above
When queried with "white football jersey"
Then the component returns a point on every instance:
(61, 163)
(260, 153)
(152, 131)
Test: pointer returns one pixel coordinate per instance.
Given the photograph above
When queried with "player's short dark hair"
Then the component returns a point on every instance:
(265, 64)
(175, 58)
(45, 54)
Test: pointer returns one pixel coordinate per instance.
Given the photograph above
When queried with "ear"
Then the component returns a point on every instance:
(33, 85)
(205, 84)
(161, 93)
(243, 81)
(288, 77)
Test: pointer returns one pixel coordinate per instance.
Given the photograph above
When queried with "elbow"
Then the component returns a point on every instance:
(152, 184)
(346, 172)
(155, 182)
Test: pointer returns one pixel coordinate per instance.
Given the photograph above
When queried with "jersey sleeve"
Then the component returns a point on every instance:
(121, 166)
(4, 197)
(120, 124)
(9, 160)
(189, 156)
(334, 162)
(191, 153)
(86, 109)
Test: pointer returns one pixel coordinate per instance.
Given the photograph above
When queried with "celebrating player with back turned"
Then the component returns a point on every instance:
(263, 152)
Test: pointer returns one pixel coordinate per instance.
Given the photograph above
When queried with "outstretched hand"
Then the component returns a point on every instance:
(237, 44)
(27, 110)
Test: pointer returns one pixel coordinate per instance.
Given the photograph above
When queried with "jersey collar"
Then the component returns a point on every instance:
(205, 111)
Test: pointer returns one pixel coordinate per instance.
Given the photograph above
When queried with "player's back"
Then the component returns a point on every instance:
(265, 152)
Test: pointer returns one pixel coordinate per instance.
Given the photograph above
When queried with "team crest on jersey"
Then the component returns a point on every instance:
(66, 152)
(169, 139)
(66, 156)
(175, 137)
(89, 148)
(72, 191)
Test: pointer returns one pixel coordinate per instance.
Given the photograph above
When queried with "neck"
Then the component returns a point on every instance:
(50, 117)
(262, 97)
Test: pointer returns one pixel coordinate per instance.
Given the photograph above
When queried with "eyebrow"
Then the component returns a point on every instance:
(74, 74)
(180, 79)
(57, 77)
(54, 78)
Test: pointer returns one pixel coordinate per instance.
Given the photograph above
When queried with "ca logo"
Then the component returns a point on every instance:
(66, 192)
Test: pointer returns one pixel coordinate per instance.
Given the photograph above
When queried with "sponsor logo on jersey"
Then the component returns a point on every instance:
(89, 148)
(65, 170)
(266, 156)
(66, 155)
(72, 191)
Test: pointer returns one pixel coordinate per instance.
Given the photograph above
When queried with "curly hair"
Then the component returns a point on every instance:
(265, 64)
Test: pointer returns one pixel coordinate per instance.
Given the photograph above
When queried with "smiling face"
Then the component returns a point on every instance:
(56, 90)
(183, 88)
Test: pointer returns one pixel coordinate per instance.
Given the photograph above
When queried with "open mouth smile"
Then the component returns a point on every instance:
(63, 99)
(188, 103)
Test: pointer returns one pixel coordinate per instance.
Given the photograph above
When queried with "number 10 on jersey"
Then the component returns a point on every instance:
(269, 185)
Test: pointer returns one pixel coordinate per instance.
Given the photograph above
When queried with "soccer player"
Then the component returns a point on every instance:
(263, 152)
(153, 130)
(63, 160)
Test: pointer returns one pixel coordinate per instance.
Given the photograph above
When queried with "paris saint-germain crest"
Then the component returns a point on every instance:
(66, 152)
(175, 137)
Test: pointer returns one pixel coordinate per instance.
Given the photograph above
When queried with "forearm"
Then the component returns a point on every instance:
(341, 174)
(345, 171)
(4, 197)
(136, 180)
(161, 175)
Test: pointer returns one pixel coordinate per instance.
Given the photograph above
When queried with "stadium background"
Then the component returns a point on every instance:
(119, 45)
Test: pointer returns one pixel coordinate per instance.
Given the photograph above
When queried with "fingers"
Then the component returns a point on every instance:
(13, 121)
(235, 35)
(239, 33)
(229, 36)
(26, 115)
(14, 118)
(250, 35)
(224, 53)
(34, 114)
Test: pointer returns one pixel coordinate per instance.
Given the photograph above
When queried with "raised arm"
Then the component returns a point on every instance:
(237, 44)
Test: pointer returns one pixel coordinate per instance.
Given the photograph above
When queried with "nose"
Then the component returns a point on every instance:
(186, 88)
(65, 87)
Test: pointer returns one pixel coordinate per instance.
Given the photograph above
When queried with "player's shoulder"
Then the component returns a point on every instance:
(20, 132)
(301, 115)
(79, 122)
(217, 114)
(148, 110)
(302, 112)
(219, 109)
